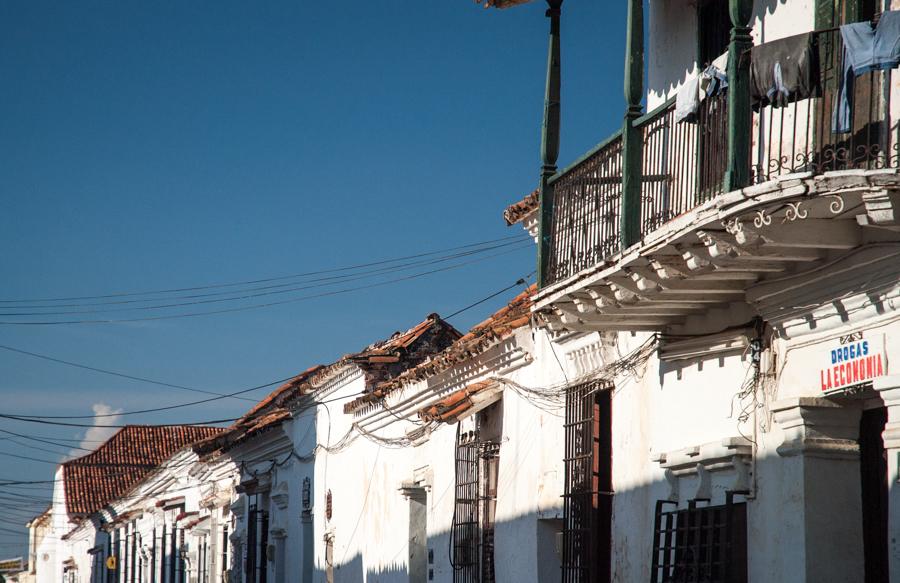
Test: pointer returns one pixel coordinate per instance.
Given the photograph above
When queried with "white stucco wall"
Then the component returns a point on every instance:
(672, 38)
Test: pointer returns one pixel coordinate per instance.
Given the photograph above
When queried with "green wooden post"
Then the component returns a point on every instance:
(549, 140)
(632, 141)
(740, 118)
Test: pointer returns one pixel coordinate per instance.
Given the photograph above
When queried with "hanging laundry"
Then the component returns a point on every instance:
(714, 79)
(865, 49)
(687, 100)
(698, 87)
(783, 71)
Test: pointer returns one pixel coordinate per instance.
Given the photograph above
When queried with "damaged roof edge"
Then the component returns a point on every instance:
(500, 325)
(379, 361)
(519, 211)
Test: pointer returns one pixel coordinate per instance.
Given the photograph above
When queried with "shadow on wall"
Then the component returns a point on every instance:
(526, 549)
(681, 65)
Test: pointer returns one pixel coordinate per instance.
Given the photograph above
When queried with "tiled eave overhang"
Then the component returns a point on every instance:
(713, 255)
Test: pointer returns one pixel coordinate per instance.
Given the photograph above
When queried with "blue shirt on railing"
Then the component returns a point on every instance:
(865, 49)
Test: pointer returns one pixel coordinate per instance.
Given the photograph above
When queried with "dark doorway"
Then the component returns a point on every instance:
(587, 503)
(873, 472)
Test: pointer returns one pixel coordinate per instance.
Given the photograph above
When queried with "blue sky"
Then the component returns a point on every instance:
(170, 144)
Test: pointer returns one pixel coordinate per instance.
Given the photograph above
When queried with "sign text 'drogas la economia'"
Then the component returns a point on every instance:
(853, 360)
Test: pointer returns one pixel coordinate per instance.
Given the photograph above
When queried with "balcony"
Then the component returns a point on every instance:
(813, 193)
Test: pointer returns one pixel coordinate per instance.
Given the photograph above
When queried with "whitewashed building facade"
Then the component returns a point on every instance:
(700, 388)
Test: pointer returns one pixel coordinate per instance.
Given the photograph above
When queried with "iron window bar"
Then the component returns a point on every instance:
(587, 496)
(472, 531)
(700, 543)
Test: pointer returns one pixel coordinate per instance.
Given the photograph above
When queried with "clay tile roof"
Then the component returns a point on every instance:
(390, 358)
(455, 404)
(265, 415)
(379, 361)
(94, 480)
(516, 212)
(500, 325)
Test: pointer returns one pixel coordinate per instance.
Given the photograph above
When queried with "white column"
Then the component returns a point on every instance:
(821, 525)
(889, 390)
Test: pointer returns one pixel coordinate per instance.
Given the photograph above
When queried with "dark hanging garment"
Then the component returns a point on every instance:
(784, 70)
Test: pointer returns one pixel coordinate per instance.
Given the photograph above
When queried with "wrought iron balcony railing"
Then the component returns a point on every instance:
(584, 226)
(683, 164)
(799, 137)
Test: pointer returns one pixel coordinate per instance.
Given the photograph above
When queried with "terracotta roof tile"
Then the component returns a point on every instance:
(379, 361)
(450, 408)
(516, 212)
(266, 414)
(94, 480)
(501, 324)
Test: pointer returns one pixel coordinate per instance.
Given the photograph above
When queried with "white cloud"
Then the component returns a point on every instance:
(94, 436)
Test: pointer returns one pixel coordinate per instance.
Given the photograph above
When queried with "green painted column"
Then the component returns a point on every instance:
(740, 118)
(549, 140)
(632, 141)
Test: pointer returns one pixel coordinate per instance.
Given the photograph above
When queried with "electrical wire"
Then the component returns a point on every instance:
(243, 294)
(119, 374)
(258, 306)
(520, 281)
(261, 280)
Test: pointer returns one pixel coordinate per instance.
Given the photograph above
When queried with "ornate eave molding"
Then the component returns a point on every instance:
(707, 258)
(706, 346)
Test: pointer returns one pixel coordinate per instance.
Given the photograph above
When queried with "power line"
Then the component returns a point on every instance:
(520, 281)
(218, 396)
(118, 374)
(118, 426)
(41, 440)
(244, 294)
(259, 280)
(258, 306)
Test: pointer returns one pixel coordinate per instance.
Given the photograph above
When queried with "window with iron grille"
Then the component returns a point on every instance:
(587, 499)
(472, 532)
(174, 556)
(133, 545)
(152, 565)
(116, 552)
(202, 559)
(98, 564)
(163, 555)
(697, 544)
(255, 569)
(490, 458)
(226, 558)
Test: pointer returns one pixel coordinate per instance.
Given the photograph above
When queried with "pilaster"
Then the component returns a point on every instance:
(889, 390)
(820, 527)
